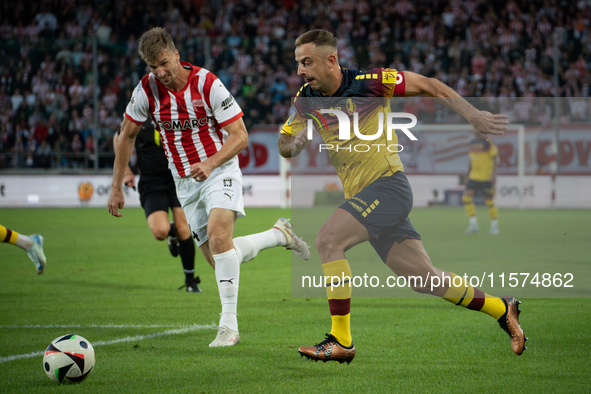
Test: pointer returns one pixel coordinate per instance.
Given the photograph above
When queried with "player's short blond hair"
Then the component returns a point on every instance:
(318, 37)
(153, 43)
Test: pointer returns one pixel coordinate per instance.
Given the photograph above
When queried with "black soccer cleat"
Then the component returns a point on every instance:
(192, 286)
(173, 240)
(510, 323)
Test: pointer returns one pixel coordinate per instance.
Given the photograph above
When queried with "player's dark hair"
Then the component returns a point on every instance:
(153, 43)
(319, 37)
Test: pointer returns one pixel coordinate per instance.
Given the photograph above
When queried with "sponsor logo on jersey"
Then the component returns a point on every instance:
(196, 104)
(351, 106)
(355, 206)
(183, 124)
(227, 103)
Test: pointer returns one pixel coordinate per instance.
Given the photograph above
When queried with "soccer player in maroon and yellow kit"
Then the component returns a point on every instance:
(32, 244)
(378, 195)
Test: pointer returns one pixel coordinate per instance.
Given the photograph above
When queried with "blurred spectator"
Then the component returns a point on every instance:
(46, 20)
(18, 150)
(480, 49)
(103, 32)
(31, 150)
(16, 100)
(277, 90)
(60, 147)
(77, 149)
(44, 155)
(41, 132)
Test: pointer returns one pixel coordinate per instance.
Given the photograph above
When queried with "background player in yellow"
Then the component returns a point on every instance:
(482, 175)
(385, 198)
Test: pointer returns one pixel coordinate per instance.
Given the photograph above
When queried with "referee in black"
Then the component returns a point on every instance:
(158, 194)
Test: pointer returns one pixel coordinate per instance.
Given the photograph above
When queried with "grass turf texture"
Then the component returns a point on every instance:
(108, 271)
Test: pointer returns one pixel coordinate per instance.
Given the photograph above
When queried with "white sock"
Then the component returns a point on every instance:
(24, 242)
(227, 274)
(473, 221)
(249, 246)
(494, 223)
(279, 237)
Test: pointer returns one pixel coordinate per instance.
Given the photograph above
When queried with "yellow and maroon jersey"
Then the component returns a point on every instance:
(356, 169)
(482, 159)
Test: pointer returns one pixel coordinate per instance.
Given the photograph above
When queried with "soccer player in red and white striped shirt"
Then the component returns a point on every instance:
(202, 131)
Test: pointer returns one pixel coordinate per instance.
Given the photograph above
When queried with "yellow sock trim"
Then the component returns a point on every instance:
(472, 298)
(467, 296)
(492, 209)
(338, 279)
(469, 206)
(341, 329)
(455, 293)
(4, 231)
(493, 306)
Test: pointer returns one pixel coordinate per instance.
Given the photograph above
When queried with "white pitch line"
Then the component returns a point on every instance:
(95, 326)
(194, 327)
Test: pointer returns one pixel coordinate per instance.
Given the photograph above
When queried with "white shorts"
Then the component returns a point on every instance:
(223, 189)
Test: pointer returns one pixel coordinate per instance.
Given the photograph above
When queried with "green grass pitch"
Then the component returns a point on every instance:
(108, 280)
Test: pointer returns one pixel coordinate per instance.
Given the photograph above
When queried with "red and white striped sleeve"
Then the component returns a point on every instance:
(138, 107)
(223, 105)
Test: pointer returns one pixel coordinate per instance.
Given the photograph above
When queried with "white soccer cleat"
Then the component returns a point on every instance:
(36, 254)
(472, 229)
(295, 243)
(494, 230)
(225, 337)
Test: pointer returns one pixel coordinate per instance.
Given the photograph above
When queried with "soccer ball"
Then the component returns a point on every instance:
(69, 358)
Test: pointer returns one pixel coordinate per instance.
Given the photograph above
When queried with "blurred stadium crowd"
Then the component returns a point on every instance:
(501, 51)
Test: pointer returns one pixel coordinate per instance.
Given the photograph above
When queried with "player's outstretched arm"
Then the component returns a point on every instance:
(237, 140)
(483, 121)
(123, 150)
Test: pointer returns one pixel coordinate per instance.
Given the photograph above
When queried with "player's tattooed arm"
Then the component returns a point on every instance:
(291, 147)
(284, 145)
